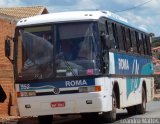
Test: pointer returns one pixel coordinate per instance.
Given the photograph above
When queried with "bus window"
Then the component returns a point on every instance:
(128, 40)
(120, 37)
(111, 34)
(137, 42)
(134, 44)
(107, 30)
(114, 27)
(131, 44)
(144, 44)
(148, 45)
(141, 49)
(124, 38)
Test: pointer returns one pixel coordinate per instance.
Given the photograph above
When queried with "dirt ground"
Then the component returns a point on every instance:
(17, 120)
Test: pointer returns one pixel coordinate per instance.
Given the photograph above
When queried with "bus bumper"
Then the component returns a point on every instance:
(64, 104)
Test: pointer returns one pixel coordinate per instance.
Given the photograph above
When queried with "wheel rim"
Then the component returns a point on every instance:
(114, 107)
(144, 103)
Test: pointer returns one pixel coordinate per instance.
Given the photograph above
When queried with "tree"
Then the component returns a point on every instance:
(155, 41)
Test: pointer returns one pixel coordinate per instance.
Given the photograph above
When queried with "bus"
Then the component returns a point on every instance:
(81, 62)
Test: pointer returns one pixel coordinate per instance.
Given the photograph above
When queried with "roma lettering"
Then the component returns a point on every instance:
(75, 83)
(123, 64)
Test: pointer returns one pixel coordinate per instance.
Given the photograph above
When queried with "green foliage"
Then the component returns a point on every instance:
(155, 42)
(157, 81)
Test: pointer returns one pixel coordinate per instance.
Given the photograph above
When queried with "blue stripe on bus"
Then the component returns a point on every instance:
(128, 65)
(132, 84)
(56, 84)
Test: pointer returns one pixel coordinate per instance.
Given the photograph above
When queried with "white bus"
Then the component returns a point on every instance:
(81, 62)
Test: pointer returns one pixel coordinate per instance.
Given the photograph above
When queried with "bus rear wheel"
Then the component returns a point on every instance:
(141, 108)
(46, 119)
(111, 115)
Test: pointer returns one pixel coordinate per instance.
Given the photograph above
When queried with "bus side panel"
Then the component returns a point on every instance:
(127, 93)
(150, 88)
(131, 90)
(138, 90)
(108, 88)
(122, 90)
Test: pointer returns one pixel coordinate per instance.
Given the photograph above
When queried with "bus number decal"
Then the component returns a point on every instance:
(24, 86)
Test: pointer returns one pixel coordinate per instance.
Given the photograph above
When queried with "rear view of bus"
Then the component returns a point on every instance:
(65, 63)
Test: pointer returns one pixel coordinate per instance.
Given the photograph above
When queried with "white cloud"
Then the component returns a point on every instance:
(78, 5)
(154, 4)
(146, 16)
(147, 22)
(9, 3)
(2, 3)
(87, 4)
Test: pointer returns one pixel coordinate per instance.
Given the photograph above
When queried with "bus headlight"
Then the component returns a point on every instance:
(89, 89)
(26, 94)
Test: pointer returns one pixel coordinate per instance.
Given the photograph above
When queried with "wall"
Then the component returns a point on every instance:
(6, 71)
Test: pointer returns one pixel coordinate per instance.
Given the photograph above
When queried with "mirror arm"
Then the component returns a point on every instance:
(9, 37)
(11, 60)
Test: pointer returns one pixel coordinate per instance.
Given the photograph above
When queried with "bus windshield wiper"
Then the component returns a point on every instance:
(69, 67)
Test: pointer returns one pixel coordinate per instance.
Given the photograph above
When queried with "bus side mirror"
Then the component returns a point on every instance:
(106, 40)
(7, 48)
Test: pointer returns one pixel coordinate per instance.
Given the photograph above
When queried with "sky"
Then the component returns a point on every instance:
(142, 13)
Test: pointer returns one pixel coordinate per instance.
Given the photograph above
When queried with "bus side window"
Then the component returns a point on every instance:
(144, 44)
(114, 27)
(124, 38)
(133, 38)
(131, 44)
(107, 30)
(120, 38)
(148, 45)
(110, 29)
(137, 42)
(141, 49)
(128, 40)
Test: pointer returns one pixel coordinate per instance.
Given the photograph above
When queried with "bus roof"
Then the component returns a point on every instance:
(74, 16)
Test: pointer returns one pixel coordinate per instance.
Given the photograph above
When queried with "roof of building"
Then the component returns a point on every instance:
(75, 16)
(23, 12)
(156, 48)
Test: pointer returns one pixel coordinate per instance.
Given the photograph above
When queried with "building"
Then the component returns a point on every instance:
(156, 59)
(8, 20)
(156, 52)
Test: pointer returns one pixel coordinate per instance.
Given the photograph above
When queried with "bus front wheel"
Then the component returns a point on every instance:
(46, 119)
(89, 116)
(111, 115)
(131, 110)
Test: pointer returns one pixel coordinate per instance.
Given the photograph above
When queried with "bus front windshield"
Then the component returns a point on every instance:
(34, 53)
(61, 50)
(77, 49)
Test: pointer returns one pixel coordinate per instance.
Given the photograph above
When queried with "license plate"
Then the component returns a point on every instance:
(57, 104)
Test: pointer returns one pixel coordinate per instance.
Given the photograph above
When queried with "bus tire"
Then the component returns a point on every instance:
(111, 115)
(131, 110)
(46, 119)
(141, 108)
(88, 116)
